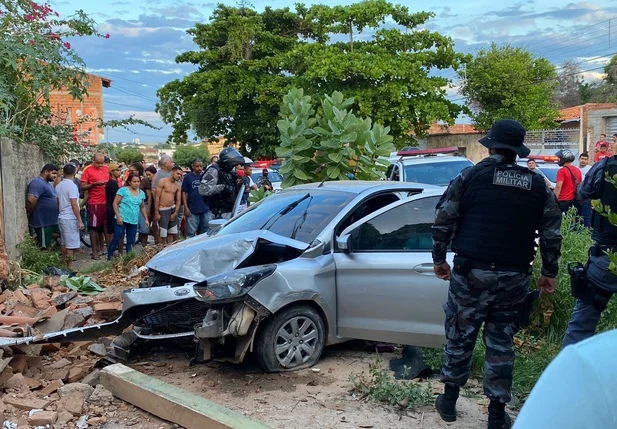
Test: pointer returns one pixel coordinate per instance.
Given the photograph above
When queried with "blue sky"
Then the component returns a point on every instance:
(146, 36)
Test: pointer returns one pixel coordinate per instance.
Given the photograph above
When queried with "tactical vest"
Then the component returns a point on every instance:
(501, 210)
(604, 233)
(223, 202)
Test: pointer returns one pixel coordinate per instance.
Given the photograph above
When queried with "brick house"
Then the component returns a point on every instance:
(592, 119)
(68, 110)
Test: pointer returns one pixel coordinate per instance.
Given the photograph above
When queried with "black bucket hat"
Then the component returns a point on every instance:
(507, 134)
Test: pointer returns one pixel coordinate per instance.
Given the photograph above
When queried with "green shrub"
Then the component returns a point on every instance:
(36, 260)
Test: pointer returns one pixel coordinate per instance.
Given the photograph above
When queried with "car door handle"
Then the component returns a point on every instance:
(424, 268)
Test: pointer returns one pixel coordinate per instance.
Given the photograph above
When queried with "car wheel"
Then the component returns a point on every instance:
(293, 338)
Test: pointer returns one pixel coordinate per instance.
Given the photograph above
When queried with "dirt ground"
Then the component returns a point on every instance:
(304, 399)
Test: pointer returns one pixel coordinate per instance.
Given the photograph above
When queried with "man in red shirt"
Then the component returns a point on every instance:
(568, 178)
(604, 153)
(93, 180)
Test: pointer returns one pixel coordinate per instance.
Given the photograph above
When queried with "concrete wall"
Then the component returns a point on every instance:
(596, 124)
(19, 164)
(468, 143)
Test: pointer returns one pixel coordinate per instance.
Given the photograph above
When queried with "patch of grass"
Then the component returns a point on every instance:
(36, 260)
(99, 267)
(380, 385)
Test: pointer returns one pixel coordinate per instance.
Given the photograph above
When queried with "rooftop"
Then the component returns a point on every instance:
(572, 113)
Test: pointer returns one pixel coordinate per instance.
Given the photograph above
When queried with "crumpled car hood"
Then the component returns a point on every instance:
(204, 256)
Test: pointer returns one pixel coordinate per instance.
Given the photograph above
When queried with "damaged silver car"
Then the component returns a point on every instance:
(311, 266)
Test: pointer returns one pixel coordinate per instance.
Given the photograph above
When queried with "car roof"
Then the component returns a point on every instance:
(361, 186)
(430, 159)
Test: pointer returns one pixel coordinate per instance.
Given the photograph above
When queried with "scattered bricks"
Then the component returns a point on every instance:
(75, 351)
(85, 312)
(28, 403)
(83, 300)
(64, 417)
(60, 364)
(2, 411)
(76, 374)
(93, 421)
(64, 298)
(33, 286)
(51, 348)
(43, 418)
(100, 397)
(19, 320)
(49, 312)
(27, 349)
(19, 363)
(32, 383)
(98, 349)
(108, 309)
(40, 298)
(6, 333)
(26, 311)
(34, 362)
(54, 324)
(2, 299)
(52, 387)
(5, 375)
(51, 282)
(93, 378)
(17, 383)
(4, 363)
(73, 320)
(20, 298)
(73, 397)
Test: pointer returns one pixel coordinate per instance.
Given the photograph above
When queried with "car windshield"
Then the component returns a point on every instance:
(435, 173)
(550, 173)
(274, 176)
(304, 221)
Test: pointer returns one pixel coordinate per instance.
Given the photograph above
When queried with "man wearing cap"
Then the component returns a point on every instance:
(490, 213)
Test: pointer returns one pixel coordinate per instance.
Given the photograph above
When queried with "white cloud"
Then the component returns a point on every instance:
(127, 31)
(172, 71)
(121, 114)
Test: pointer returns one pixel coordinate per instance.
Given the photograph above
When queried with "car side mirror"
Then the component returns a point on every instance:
(344, 243)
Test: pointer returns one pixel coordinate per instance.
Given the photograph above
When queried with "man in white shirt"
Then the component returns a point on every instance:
(583, 163)
(69, 219)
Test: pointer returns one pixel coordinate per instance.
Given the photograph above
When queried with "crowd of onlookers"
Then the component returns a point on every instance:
(120, 206)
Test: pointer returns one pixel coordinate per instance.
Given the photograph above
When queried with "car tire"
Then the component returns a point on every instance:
(291, 339)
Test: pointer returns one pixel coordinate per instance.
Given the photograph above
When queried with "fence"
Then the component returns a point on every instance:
(553, 139)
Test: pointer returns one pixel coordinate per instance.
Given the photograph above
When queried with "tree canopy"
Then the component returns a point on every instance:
(186, 154)
(508, 82)
(129, 155)
(249, 60)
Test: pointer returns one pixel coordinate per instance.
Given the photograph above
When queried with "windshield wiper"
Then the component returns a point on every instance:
(283, 212)
(302, 218)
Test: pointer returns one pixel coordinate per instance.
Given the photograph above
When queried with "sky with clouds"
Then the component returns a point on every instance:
(146, 36)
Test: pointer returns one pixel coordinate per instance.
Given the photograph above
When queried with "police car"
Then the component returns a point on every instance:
(547, 164)
(430, 166)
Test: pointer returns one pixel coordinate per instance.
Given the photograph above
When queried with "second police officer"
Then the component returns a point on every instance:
(491, 213)
(598, 282)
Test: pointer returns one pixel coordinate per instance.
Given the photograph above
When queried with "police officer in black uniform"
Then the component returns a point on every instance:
(220, 183)
(490, 213)
(599, 283)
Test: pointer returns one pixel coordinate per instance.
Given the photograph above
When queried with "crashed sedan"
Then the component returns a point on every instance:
(311, 266)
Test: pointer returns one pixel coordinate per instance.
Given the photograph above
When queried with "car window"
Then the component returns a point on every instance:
(365, 208)
(303, 222)
(275, 176)
(404, 228)
(435, 173)
(550, 173)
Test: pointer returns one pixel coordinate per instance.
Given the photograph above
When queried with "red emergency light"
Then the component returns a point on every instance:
(427, 151)
(263, 164)
(547, 158)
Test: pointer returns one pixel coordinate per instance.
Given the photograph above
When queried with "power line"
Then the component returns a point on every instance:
(133, 93)
(134, 81)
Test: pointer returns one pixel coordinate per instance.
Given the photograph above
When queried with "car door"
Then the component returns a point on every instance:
(385, 286)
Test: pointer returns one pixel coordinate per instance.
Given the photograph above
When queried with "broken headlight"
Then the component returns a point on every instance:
(233, 283)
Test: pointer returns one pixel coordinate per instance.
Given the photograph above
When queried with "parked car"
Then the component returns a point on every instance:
(311, 266)
(431, 166)
(548, 164)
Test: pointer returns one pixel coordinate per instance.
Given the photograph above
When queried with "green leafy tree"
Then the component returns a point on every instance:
(129, 155)
(331, 146)
(508, 82)
(249, 60)
(186, 154)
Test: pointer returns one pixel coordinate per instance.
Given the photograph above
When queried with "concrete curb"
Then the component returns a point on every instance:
(170, 402)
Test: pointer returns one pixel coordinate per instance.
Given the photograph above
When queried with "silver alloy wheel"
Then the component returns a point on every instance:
(295, 341)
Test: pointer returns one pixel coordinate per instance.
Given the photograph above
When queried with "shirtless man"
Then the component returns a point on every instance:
(167, 201)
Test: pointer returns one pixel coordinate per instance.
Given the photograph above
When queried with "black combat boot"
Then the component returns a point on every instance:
(497, 416)
(446, 403)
